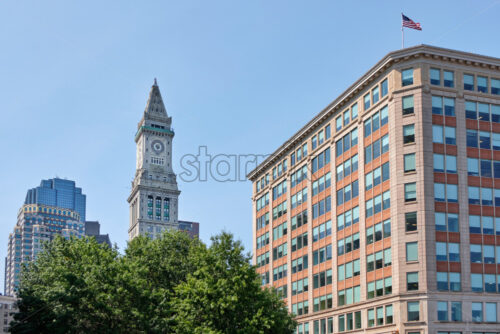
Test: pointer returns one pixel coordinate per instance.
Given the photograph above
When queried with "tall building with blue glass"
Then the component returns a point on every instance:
(60, 193)
(56, 207)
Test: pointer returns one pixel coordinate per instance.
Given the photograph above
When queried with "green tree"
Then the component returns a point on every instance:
(70, 285)
(223, 295)
(173, 284)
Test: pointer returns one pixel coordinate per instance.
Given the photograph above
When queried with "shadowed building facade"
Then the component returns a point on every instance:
(379, 214)
(7, 310)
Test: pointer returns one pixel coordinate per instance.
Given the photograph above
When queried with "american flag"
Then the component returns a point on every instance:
(407, 22)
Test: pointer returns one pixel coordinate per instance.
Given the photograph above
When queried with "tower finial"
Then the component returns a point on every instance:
(155, 84)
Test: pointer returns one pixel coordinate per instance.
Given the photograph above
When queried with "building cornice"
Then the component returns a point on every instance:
(152, 189)
(391, 59)
(153, 130)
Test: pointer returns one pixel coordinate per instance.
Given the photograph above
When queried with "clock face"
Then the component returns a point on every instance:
(157, 146)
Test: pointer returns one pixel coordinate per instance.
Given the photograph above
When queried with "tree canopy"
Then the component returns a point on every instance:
(172, 284)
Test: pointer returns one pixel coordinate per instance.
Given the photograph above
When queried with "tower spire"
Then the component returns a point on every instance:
(155, 106)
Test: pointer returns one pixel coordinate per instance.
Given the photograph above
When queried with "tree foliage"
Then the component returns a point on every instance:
(173, 284)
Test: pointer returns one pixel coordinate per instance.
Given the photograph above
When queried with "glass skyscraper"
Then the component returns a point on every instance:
(56, 207)
(60, 193)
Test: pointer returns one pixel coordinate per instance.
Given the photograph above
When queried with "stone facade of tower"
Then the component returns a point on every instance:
(154, 197)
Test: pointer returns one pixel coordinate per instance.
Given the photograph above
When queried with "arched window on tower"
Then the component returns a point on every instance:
(150, 207)
(158, 208)
(166, 209)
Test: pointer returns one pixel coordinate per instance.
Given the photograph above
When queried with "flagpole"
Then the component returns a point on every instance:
(402, 34)
(402, 37)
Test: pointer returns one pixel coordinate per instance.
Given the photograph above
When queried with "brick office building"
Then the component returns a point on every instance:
(379, 214)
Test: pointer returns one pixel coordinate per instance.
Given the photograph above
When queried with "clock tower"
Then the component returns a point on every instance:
(154, 197)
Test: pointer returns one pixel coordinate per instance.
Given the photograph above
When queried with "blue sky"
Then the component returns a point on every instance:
(237, 77)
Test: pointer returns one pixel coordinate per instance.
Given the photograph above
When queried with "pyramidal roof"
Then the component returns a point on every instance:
(155, 106)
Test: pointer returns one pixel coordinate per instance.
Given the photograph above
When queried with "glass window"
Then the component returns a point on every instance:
(385, 143)
(491, 312)
(442, 281)
(411, 251)
(368, 127)
(407, 77)
(472, 138)
(456, 311)
(451, 164)
(470, 110)
(437, 105)
(385, 87)
(495, 86)
(449, 106)
(448, 79)
(385, 172)
(371, 317)
(455, 281)
(410, 192)
(452, 193)
(366, 101)
(375, 121)
(438, 163)
(442, 311)
(354, 111)
(369, 181)
(388, 315)
(468, 82)
(380, 316)
(453, 252)
(346, 117)
(441, 251)
(412, 281)
(439, 192)
(338, 123)
(384, 115)
(409, 162)
(482, 84)
(496, 141)
(327, 132)
(474, 222)
(452, 222)
(476, 282)
(488, 227)
(375, 95)
(495, 113)
(489, 283)
(473, 166)
(437, 134)
(484, 140)
(408, 105)
(314, 142)
(386, 197)
(477, 312)
(488, 253)
(450, 135)
(411, 221)
(483, 110)
(486, 196)
(435, 76)
(413, 311)
(409, 134)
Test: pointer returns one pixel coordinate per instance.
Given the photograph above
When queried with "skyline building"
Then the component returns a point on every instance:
(93, 229)
(56, 207)
(154, 196)
(382, 213)
(58, 193)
